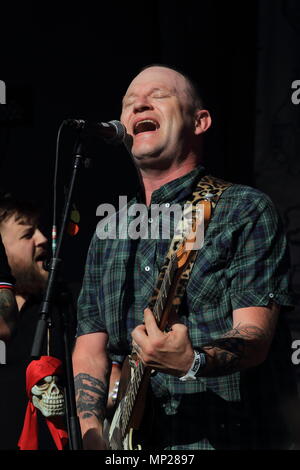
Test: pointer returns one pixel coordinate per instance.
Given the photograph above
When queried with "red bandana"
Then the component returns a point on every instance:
(36, 371)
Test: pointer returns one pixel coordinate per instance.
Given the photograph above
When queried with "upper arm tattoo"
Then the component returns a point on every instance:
(8, 307)
(91, 396)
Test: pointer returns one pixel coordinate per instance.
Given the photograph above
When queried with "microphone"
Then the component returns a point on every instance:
(113, 132)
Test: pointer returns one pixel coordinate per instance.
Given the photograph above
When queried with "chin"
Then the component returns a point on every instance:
(44, 275)
(41, 277)
(155, 161)
(146, 155)
(145, 150)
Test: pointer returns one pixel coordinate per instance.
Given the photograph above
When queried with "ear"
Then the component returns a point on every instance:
(202, 121)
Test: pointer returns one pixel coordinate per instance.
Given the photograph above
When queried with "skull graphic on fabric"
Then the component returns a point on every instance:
(48, 397)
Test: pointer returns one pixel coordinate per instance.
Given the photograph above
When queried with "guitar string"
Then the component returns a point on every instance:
(138, 372)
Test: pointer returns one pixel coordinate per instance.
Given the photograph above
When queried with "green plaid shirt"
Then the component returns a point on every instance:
(241, 264)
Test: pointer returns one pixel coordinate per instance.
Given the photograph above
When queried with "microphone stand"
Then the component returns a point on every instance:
(75, 441)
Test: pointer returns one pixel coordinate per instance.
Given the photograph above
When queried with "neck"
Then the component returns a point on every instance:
(20, 299)
(153, 179)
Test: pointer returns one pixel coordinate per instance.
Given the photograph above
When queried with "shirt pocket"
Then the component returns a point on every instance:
(208, 281)
(208, 296)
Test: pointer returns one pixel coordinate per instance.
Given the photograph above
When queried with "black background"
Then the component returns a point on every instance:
(76, 59)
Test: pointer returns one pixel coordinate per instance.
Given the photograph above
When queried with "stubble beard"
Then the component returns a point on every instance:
(30, 281)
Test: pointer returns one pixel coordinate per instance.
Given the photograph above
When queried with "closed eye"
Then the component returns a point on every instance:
(127, 104)
(161, 95)
(28, 234)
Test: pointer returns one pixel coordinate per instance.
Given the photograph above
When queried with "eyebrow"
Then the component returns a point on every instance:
(152, 90)
(25, 223)
(25, 220)
(27, 228)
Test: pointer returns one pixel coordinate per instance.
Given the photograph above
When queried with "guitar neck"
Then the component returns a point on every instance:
(164, 290)
(158, 303)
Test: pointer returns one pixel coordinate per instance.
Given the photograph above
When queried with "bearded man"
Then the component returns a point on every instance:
(26, 250)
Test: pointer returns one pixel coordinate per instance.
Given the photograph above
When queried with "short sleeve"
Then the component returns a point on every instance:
(88, 313)
(259, 269)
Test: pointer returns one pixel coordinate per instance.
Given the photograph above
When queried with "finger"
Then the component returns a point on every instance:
(135, 347)
(150, 323)
(179, 328)
(139, 335)
(140, 328)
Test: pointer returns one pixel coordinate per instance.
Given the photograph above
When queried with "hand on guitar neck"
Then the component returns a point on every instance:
(169, 352)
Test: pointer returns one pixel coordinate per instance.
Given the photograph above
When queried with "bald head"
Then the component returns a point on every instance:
(180, 81)
(191, 87)
(162, 113)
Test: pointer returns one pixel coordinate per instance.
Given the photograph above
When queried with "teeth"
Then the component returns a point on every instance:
(146, 120)
(51, 401)
(53, 405)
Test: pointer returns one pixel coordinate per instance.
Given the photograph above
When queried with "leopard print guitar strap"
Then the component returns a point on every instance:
(207, 193)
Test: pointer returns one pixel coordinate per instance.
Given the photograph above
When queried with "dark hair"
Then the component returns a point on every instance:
(10, 205)
(194, 90)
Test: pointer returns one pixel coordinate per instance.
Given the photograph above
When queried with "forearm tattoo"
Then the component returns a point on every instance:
(230, 352)
(91, 396)
(8, 307)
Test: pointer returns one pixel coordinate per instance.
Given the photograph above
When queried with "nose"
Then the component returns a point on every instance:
(40, 238)
(53, 389)
(141, 104)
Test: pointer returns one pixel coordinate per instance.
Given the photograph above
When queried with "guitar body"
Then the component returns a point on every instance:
(112, 432)
(137, 433)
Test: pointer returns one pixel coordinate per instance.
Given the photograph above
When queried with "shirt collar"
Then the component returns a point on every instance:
(178, 190)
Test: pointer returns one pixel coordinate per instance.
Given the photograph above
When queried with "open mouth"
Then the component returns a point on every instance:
(41, 257)
(146, 125)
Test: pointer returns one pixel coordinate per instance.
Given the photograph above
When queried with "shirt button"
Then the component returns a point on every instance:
(147, 268)
(271, 295)
(167, 204)
(150, 220)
